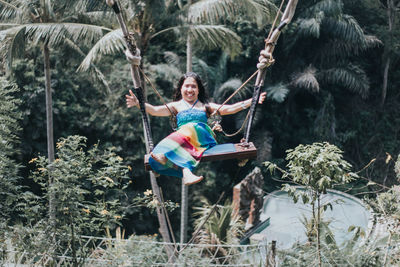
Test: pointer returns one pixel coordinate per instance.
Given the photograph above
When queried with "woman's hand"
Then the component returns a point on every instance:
(217, 127)
(263, 95)
(131, 100)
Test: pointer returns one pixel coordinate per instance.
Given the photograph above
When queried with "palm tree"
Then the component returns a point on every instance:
(336, 40)
(148, 20)
(221, 228)
(42, 22)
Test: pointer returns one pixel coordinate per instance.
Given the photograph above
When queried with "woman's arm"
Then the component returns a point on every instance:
(160, 111)
(235, 108)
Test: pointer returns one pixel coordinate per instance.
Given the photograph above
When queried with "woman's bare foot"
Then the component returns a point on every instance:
(189, 178)
(160, 158)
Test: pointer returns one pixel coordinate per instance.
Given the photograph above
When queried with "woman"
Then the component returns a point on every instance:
(180, 152)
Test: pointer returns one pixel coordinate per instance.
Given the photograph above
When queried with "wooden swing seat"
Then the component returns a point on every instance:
(238, 151)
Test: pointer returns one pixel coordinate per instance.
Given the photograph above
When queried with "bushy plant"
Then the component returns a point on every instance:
(9, 169)
(89, 188)
(318, 167)
(386, 206)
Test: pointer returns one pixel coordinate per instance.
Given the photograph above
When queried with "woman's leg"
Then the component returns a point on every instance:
(160, 158)
(189, 178)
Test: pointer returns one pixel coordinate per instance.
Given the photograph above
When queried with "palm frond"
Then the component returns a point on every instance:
(309, 27)
(96, 71)
(99, 17)
(214, 11)
(175, 29)
(172, 58)
(306, 79)
(209, 37)
(338, 48)
(4, 26)
(54, 33)
(109, 44)
(221, 226)
(166, 72)
(277, 92)
(12, 43)
(351, 77)
(372, 41)
(211, 11)
(345, 28)
(7, 10)
(91, 5)
(216, 36)
(331, 8)
(227, 88)
(84, 33)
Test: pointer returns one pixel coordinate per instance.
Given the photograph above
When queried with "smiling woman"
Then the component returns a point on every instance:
(179, 153)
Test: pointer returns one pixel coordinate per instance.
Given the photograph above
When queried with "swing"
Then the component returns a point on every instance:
(227, 151)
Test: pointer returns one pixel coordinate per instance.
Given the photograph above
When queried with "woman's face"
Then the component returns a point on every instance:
(190, 90)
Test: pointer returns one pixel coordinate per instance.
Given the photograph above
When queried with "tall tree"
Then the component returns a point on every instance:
(320, 56)
(43, 23)
(392, 8)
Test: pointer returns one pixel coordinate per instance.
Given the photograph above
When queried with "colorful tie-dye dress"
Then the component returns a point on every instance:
(184, 147)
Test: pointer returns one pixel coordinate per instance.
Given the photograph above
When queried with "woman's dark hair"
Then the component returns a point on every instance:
(203, 97)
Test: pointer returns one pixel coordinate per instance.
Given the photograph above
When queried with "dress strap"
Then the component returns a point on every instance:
(194, 104)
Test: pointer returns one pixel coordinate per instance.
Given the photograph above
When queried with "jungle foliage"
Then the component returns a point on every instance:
(335, 82)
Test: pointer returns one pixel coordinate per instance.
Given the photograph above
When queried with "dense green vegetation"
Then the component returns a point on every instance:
(334, 80)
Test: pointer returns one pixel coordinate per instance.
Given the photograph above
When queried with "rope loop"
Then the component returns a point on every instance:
(133, 59)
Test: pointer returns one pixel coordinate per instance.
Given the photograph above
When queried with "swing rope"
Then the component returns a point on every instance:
(156, 91)
(275, 20)
(172, 116)
(248, 80)
(236, 91)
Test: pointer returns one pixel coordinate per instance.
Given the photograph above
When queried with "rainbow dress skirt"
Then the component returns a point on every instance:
(184, 147)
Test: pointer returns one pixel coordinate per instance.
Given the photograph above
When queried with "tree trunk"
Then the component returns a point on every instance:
(162, 218)
(49, 126)
(189, 53)
(391, 15)
(385, 80)
(318, 230)
(184, 212)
